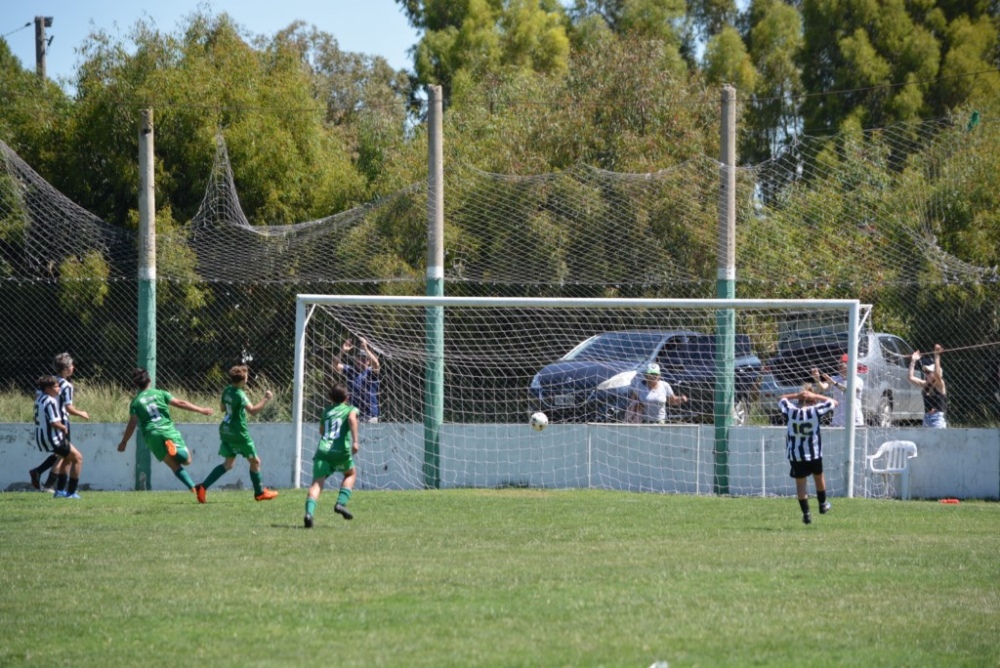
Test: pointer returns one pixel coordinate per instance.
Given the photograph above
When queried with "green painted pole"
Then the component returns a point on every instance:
(146, 357)
(725, 331)
(434, 333)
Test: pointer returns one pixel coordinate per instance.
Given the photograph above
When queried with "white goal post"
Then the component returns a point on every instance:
(459, 377)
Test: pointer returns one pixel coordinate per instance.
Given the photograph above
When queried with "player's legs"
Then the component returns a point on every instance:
(800, 472)
(177, 461)
(73, 463)
(344, 495)
(819, 479)
(260, 493)
(315, 489)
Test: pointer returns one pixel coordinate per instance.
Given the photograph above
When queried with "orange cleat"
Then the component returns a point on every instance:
(266, 495)
(199, 491)
(171, 448)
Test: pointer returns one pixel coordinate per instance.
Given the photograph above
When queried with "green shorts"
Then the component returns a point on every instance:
(158, 446)
(324, 467)
(238, 446)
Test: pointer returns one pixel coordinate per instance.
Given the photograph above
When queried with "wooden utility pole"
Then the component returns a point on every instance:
(41, 44)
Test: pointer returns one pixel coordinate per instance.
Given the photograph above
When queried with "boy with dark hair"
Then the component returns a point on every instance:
(235, 435)
(52, 435)
(64, 367)
(151, 410)
(804, 445)
(338, 442)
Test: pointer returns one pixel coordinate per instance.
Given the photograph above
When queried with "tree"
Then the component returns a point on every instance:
(774, 42)
(484, 37)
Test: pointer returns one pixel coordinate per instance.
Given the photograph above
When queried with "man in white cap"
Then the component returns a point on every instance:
(653, 394)
(932, 389)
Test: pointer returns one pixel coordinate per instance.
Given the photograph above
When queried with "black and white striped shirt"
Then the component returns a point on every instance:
(65, 398)
(803, 442)
(47, 411)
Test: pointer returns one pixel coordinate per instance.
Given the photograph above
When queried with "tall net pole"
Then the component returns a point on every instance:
(146, 357)
(434, 387)
(725, 349)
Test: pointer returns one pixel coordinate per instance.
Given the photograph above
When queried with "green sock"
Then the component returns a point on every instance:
(344, 496)
(310, 505)
(183, 476)
(255, 479)
(216, 473)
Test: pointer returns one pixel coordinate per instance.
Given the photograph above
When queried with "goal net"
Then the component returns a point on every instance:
(458, 379)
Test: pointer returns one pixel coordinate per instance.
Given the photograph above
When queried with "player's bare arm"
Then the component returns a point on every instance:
(129, 430)
(76, 412)
(188, 406)
(259, 406)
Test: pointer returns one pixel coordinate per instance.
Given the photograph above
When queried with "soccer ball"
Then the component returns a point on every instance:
(539, 421)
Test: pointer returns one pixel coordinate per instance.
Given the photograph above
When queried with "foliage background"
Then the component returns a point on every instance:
(854, 116)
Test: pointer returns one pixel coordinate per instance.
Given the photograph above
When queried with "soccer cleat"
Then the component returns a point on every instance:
(344, 512)
(74, 495)
(171, 448)
(824, 508)
(199, 491)
(266, 495)
(59, 494)
(807, 518)
(36, 480)
(308, 521)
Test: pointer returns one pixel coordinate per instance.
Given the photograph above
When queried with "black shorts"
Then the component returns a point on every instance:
(60, 449)
(806, 469)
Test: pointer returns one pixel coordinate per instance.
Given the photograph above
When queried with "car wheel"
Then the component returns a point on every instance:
(883, 412)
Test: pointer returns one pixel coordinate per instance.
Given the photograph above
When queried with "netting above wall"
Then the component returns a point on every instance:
(871, 208)
(902, 218)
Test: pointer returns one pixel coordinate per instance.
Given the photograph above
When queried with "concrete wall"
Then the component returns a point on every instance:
(960, 463)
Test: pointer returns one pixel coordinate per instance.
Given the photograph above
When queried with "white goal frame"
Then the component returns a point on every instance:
(305, 305)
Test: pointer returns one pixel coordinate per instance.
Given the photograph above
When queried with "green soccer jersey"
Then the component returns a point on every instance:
(234, 422)
(336, 441)
(152, 408)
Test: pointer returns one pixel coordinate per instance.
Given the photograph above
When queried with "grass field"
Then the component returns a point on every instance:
(495, 578)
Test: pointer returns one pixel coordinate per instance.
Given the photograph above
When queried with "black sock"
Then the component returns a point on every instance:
(821, 496)
(47, 464)
(50, 481)
(71, 489)
(61, 482)
(804, 505)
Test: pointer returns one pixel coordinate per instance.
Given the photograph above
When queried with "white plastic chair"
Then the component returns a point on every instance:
(895, 459)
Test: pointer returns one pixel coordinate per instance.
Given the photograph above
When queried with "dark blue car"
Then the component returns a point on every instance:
(591, 383)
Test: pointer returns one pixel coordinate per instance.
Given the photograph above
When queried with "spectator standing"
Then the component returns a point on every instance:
(651, 394)
(804, 445)
(932, 389)
(837, 385)
(361, 368)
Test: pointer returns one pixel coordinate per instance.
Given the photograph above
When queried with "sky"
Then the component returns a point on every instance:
(373, 27)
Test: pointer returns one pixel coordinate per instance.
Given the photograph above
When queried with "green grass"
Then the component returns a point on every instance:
(495, 578)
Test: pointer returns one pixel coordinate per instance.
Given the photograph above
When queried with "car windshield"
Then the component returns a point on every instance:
(617, 347)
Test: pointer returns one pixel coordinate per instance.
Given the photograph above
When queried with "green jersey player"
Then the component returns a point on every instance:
(235, 435)
(338, 444)
(151, 411)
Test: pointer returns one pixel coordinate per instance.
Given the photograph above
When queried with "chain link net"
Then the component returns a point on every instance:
(859, 215)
